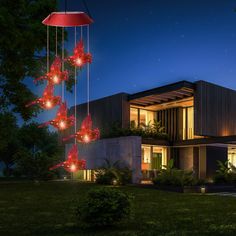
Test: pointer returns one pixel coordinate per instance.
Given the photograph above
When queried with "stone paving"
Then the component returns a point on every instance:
(227, 194)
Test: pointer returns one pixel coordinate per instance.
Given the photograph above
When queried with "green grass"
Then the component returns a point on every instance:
(47, 209)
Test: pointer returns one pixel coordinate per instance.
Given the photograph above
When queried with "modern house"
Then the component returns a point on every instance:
(199, 118)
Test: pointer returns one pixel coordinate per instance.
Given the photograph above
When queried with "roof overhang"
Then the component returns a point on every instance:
(207, 141)
(164, 94)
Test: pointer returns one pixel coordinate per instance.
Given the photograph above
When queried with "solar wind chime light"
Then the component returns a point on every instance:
(57, 75)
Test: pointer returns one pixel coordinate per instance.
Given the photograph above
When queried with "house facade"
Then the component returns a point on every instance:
(199, 119)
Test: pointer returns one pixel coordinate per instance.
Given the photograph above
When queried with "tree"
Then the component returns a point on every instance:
(9, 142)
(39, 151)
(23, 38)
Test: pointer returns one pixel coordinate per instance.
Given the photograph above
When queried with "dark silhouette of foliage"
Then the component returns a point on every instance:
(39, 150)
(9, 142)
(22, 41)
(113, 173)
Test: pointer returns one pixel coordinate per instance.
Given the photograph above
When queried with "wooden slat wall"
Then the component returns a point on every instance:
(169, 119)
(214, 110)
(105, 111)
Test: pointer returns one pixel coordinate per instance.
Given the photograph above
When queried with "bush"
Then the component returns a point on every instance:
(104, 177)
(103, 207)
(226, 174)
(175, 177)
(151, 130)
(112, 173)
(229, 178)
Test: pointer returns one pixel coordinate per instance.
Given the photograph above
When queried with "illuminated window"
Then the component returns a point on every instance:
(188, 123)
(134, 116)
(146, 154)
(159, 157)
(232, 155)
(146, 117)
(153, 157)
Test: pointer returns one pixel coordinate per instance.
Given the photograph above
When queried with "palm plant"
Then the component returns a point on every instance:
(112, 172)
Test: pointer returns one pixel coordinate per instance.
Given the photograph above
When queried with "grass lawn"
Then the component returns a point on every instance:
(48, 209)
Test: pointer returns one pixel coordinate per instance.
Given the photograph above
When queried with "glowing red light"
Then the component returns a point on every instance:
(80, 58)
(48, 100)
(61, 121)
(72, 164)
(55, 75)
(85, 134)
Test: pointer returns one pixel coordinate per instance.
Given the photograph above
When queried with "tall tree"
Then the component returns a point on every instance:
(22, 41)
(9, 142)
(39, 150)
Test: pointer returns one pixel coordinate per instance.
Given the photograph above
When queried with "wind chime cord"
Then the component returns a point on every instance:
(47, 48)
(88, 71)
(81, 32)
(75, 93)
(62, 48)
(56, 41)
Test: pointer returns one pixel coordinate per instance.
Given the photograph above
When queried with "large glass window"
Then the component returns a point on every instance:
(146, 117)
(146, 157)
(232, 155)
(141, 117)
(153, 157)
(188, 123)
(134, 116)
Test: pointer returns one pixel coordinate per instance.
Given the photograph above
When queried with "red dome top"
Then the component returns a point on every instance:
(67, 19)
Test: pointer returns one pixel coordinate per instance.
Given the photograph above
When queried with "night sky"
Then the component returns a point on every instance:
(141, 44)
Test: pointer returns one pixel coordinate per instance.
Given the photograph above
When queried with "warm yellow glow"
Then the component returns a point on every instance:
(73, 167)
(79, 61)
(55, 79)
(48, 104)
(203, 190)
(62, 124)
(86, 138)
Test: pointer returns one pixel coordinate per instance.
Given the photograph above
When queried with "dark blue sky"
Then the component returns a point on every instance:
(141, 44)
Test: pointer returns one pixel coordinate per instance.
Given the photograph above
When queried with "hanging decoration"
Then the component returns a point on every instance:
(61, 121)
(55, 75)
(72, 164)
(79, 58)
(48, 100)
(85, 134)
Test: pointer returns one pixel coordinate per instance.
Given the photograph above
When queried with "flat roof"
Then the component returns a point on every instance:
(163, 94)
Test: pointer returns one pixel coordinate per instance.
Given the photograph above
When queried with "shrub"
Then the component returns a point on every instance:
(104, 177)
(113, 172)
(151, 130)
(174, 177)
(226, 174)
(103, 207)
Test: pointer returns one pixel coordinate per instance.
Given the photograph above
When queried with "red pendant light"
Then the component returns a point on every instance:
(55, 75)
(80, 58)
(61, 121)
(72, 164)
(85, 134)
(67, 19)
(48, 100)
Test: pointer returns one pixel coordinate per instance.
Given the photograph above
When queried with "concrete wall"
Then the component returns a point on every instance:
(125, 149)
